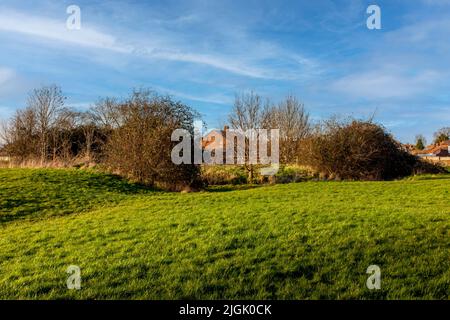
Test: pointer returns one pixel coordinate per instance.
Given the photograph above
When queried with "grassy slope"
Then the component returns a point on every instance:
(28, 193)
(296, 241)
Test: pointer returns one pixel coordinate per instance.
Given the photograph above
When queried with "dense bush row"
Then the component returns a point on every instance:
(359, 150)
(132, 137)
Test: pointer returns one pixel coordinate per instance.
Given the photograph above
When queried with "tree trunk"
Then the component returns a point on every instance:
(250, 174)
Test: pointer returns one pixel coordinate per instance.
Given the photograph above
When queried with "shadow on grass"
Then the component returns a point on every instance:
(440, 176)
(37, 194)
(92, 180)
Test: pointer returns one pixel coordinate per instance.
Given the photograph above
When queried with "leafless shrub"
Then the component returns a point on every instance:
(442, 135)
(140, 146)
(292, 119)
(247, 114)
(20, 135)
(45, 103)
(359, 150)
(250, 111)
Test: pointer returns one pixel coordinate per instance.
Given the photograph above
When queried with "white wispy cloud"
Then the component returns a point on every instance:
(385, 84)
(162, 49)
(10, 83)
(208, 98)
(6, 75)
(56, 30)
(405, 63)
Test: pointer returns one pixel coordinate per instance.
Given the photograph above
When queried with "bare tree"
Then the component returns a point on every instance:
(105, 113)
(292, 119)
(441, 135)
(247, 114)
(46, 103)
(20, 135)
(5, 132)
(62, 131)
(140, 147)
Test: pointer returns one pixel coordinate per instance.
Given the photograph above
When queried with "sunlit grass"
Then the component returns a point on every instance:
(308, 240)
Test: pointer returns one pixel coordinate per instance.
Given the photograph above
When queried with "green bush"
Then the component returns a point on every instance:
(225, 175)
(222, 175)
(291, 173)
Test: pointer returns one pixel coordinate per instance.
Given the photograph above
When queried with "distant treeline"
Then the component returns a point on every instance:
(132, 137)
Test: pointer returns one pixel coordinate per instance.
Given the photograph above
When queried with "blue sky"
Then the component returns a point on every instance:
(203, 52)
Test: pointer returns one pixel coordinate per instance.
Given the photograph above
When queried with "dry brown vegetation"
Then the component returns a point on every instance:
(132, 137)
(251, 111)
(359, 150)
(140, 143)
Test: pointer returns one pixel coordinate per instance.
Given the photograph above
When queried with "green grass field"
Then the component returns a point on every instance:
(310, 240)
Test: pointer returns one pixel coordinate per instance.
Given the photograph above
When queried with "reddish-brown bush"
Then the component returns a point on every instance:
(359, 150)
